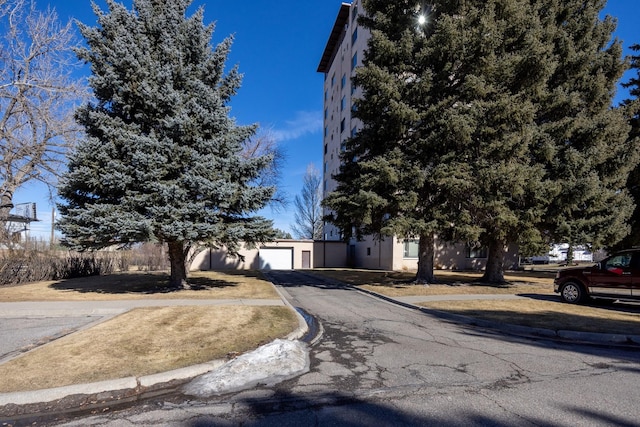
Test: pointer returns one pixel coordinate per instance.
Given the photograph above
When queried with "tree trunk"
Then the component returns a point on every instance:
(494, 271)
(177, 259)
(570, 254)
(425, 259)
(6, 204)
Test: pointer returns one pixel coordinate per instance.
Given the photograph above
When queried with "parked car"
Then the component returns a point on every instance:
(614, 278)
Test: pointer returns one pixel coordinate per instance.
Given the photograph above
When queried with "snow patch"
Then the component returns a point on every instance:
(270, 364)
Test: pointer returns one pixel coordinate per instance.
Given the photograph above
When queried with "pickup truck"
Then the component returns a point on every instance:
(614, 278)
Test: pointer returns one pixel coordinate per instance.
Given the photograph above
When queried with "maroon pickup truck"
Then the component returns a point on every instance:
(614, 278)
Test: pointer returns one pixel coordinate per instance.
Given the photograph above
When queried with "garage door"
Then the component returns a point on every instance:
(276, 258)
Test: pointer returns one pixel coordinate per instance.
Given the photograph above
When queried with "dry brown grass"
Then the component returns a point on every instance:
(134, 285)
(395, 284)
(469, 289)
(146, 341)
(554, 315)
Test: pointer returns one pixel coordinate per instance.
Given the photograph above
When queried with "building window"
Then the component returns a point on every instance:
(354, 36)
(326, 147)
(326, 131)
(326, 113)
(342, 124)
(343, 82)
(354, 131)
(326, 95)
(354, 61)
(368, 251)
(410, 249)
(343, 103)
(354, 13)
(476, 252)
(333, 79)
(343, 146)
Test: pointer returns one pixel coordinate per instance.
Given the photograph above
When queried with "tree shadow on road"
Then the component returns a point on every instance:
(341, 409)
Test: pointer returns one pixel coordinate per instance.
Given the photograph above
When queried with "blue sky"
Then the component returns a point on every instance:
(278, 45)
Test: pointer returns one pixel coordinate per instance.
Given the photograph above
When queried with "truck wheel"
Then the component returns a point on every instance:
(572, 293)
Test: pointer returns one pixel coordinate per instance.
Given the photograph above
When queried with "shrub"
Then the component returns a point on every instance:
(33, 266)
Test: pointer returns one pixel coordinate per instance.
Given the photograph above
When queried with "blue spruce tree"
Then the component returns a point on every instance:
(162, 160)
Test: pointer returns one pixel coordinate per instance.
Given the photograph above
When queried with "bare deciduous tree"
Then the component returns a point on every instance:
(38, 96)
(264, 144)
(308, 215)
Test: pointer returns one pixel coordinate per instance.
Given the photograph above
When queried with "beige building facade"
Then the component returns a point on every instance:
(391, 254)
(277, 255)
(343, 53)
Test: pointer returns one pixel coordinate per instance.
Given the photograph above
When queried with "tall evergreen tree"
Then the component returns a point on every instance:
(385, 183)
(473, 123)
(447, 123)
(631, 107)
(162, 160)
(490, 60)
(589, 153)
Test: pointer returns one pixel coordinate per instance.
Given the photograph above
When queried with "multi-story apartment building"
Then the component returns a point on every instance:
(343, 53)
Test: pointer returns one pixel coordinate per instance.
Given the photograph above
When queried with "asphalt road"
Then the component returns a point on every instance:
(381, 364)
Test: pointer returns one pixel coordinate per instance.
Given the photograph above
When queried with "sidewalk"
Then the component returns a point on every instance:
(457, 297)
(100, 308)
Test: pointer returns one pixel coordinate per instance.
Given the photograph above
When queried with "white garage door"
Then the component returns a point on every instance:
(276, 258)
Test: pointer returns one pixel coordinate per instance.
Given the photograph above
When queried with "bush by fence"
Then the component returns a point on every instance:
(148, 257)
(33, 266)
(24, 266)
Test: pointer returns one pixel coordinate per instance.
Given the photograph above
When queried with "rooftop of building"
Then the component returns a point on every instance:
(335, 38)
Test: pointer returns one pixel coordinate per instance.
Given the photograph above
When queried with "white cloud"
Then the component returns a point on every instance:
(305, 122)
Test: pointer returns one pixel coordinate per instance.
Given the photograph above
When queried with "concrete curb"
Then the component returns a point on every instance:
(303, 328)
(128, 383)
(51, 394)
(119, 384)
